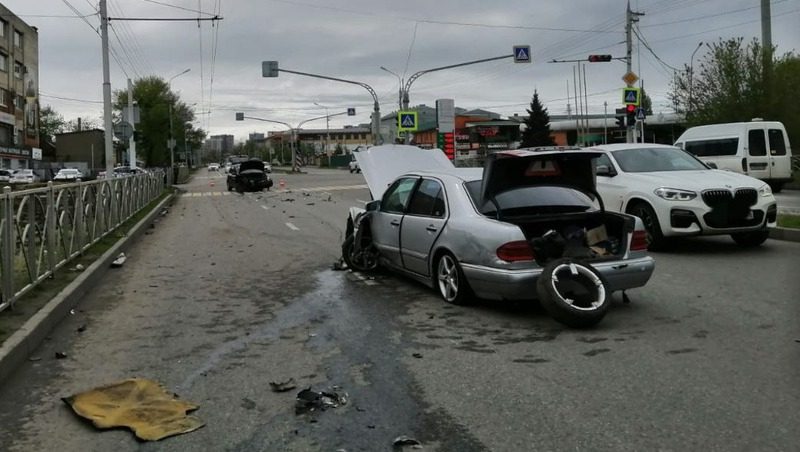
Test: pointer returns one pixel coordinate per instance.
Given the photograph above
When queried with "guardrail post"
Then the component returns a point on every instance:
(50, 227)
(79, 219)
(9, 245)
(30, 242)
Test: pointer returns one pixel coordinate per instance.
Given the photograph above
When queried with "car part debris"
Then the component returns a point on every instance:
(141, 405)
(339, 265)
(82, 328)
(119, 261)
(404, 440)
(283, 386)
(417, 355)
(309, 401)
(573, 292)
(35, 358)
(61, 355)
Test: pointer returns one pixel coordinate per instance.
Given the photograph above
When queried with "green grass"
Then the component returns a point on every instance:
(789, 221)
(31, 302)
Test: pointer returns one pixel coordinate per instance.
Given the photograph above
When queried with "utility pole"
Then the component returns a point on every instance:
(630, 18)
(605, 122)
(132, 119)
(577, 107)
(766, 42)
(107, 125)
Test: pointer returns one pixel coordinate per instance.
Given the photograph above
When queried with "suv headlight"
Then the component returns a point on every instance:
(675, 194)
(765, 190)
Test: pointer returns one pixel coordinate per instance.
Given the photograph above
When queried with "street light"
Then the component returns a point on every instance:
(399, 87)
(327, 128)
(171, 142)
(691, 74)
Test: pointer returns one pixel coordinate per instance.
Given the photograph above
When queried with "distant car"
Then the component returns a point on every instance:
(248, 175)
(524, 227)
(675, 194)
(354, 167)
(24, 176)
(68, 174)
(5, 175)
(267, 167)
(213, 167)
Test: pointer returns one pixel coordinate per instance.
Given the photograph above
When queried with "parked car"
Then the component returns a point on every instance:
(354, 168)
(675, 194)
(213, 167)
(248, 175)
(5, 175)
(68, 174)
(758, 148)
(24, 176)
(524, 227)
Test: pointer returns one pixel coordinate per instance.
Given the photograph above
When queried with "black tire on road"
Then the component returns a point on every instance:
(751, 239)
(573, 292)
(450, 282)
(655, 238)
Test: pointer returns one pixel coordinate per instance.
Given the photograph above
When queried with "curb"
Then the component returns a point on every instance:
(16, 349)
(787, 234)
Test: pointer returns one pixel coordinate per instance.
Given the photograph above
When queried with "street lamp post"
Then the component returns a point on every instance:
(327, 130)
(171, 142)
(399, 87)
(691, 76)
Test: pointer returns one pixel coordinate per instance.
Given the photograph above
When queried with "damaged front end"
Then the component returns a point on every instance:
(358, 251)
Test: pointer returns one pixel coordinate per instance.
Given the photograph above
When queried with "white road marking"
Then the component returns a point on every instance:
(265, 207)
(292, 227)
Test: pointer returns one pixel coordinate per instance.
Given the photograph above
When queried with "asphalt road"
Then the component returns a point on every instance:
(788, 201)
(230, 292)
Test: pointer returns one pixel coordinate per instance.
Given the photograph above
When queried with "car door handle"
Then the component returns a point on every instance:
(395, 223)
(432, 228)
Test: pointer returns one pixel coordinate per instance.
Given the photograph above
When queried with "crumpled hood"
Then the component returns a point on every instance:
(251, 165)
(381, 165)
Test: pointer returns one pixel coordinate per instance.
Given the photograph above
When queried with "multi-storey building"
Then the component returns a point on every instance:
(19, 92)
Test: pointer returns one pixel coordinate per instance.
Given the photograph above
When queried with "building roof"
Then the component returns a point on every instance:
(80, 131)
(496, 122)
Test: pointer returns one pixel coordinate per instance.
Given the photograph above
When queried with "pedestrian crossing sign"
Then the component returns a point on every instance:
(522, 54)
(631, 96)
(407, 121)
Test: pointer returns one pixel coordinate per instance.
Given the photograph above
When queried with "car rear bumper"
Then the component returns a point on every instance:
(501, 284)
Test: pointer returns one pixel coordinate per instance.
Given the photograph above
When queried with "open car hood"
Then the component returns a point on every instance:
(251, 165)
(507, 170)
(381, 165)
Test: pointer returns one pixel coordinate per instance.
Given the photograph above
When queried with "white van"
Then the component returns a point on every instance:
(758, 148)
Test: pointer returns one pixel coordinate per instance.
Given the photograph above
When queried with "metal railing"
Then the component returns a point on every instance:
(42, 229)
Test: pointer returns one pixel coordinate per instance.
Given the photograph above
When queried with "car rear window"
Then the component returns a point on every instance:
(532, 200)
(715, 147)
(777, 145)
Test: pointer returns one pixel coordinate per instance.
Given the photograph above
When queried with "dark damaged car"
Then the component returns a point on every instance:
(529, 225)
(249, 175)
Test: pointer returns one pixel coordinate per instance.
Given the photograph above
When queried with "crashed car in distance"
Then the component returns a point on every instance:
(248, 175)
(524, 227)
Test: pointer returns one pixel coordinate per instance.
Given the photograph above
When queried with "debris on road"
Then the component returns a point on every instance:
(403, 440)
(119, 261)
(82, 328)
(339, 265)
(35, 358)
(288, 200)
(283, 386)
(79, 268)
(61, 355)
(309, 203)
(141, 405)
(71, 312)
(417, 355)
(308, 401)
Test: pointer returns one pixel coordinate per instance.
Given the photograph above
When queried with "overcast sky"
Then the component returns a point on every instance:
(351, 39)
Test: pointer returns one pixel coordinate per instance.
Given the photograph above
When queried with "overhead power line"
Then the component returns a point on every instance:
(177, 7)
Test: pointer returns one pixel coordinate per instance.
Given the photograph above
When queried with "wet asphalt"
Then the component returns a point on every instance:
(230, 292)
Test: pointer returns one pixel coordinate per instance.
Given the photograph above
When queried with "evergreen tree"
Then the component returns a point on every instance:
(537, 132)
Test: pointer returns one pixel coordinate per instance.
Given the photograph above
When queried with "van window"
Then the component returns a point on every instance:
(707, 148)
(756, 143)
(777, 146)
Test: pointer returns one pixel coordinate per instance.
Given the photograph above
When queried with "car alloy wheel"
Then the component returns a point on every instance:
(450, 281)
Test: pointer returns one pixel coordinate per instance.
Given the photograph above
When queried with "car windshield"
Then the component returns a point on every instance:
(656, 159)
(532, 200)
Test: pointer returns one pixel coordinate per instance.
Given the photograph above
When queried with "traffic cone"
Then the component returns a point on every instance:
(282, 183)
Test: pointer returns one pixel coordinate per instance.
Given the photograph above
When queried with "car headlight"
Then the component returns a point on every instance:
(675, 194)
(765, 190)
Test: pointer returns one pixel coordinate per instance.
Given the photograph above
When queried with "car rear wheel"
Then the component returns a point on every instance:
(655, 238)
(450, 281)
(574, 293)
(751, 239)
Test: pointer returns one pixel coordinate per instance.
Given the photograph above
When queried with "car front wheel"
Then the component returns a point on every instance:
(450, 281)
(751, 239)
(365, 259)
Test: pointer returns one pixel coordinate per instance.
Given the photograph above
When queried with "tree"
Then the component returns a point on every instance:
(50, 124)
(647, 103)
(537, 131)
(158, 108)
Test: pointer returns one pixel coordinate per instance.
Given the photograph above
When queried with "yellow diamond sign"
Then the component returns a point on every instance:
(630, 78)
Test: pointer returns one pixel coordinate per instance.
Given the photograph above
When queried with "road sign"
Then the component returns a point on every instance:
(351, 111)
(630, 78)
(240, 116)
(445, 115)
(269, 68)
(631, 96)
(407, 121)
(123, 131)
(522, 54)
(640, 114)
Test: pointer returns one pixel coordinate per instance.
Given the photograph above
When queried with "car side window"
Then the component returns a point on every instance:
(396, 197)
(756, 142)
(603, 160)
(428, 200)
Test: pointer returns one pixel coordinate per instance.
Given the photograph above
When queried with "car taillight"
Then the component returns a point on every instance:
(639, 241)
(516, 251)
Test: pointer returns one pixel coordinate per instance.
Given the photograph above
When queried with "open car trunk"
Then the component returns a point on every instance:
(593, 236)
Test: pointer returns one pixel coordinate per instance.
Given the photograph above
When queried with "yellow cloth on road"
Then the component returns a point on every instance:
(139, 404)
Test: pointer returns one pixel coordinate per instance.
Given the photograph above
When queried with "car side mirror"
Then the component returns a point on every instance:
(373, 205)
(712, 165)
(605, 170)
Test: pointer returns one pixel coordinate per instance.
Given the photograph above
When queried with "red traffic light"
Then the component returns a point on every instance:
(599, 58)
(630, 108)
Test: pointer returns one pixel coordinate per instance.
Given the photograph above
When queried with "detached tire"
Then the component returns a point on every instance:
(573, 292)
(750, 239)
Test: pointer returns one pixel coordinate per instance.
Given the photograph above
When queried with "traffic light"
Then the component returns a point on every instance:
(619, 114)
(599, 58)
(630, 111)
(446, 142)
